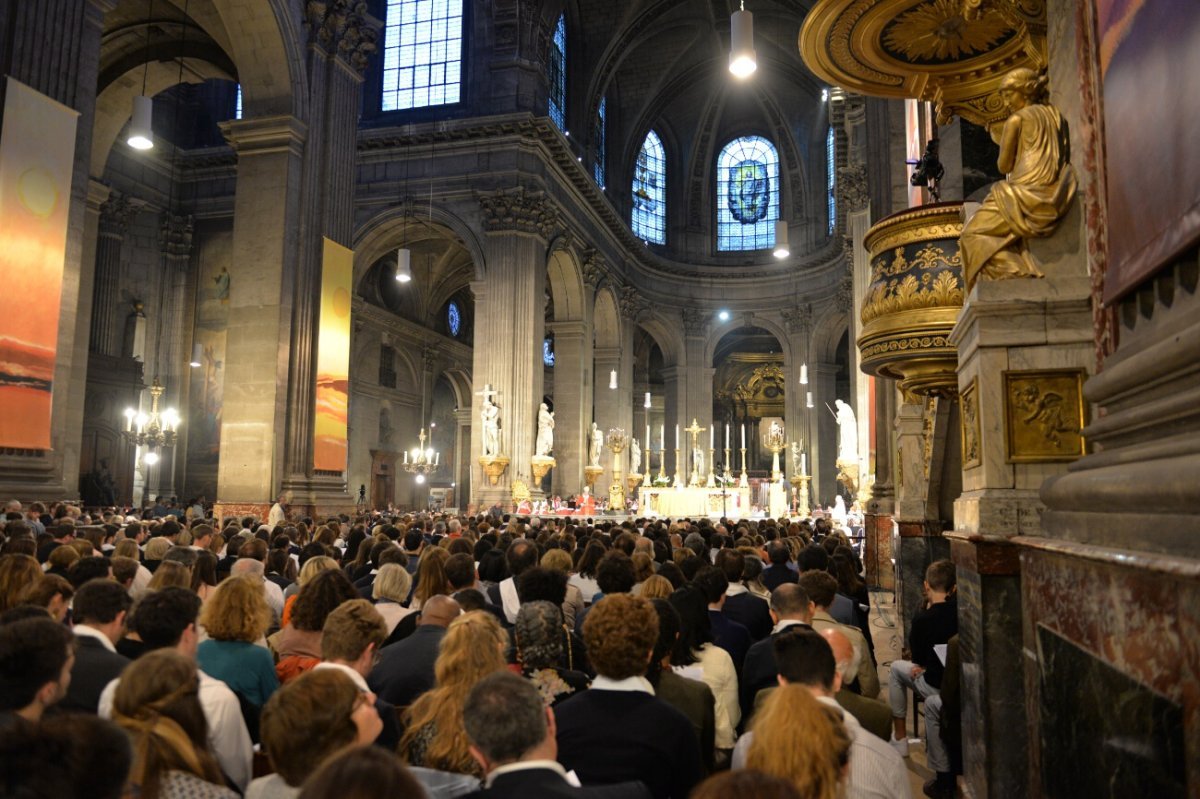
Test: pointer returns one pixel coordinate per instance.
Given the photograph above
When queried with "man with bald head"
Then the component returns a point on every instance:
(806, 658)
(790, 607)
(405, 668)
(873, 715)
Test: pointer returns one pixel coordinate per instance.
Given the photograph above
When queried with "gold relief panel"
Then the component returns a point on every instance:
(1044, 415)
(972, 450)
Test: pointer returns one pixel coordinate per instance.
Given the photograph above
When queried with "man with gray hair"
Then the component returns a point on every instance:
(271, 592)
(512, 735)
(874, 716)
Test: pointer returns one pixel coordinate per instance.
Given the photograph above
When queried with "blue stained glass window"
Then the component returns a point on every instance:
(598, 166)
(830, 178)
(558, 74)
(422, 53)
(237, 103)
(649, 216)
(453, 318)
(548, 351)
(747, 194)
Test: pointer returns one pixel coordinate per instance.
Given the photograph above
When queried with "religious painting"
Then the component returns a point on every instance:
(333, 359)
(37, 154)
(749, 191)
(969, 413)
(209, 336)
(1044, 415)
(1149, 64)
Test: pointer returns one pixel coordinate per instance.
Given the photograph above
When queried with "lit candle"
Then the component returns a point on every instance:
(743, 436)
(662, 436)
(803, 463)
(676, 436)
(710, 436)
(726, 436)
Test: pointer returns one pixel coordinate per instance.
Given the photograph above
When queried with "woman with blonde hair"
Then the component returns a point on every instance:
(431, 576)
(18, 573)
(61, 558)
(157, 702)
(800, 740)
(572, 606)
(656, 587)
(156, 549)
(434, 736)
(236, 618)
(311, 568)
(170, 572)
(390, 592)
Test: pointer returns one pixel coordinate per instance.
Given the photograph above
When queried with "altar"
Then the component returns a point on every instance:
(694, 501)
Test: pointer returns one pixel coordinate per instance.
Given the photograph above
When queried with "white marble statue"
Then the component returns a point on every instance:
(545, 432)
(797, 467)
(847, 433)
(698, 455)
(839, 510)
(597, 446)
(635, 457)
(491, 428)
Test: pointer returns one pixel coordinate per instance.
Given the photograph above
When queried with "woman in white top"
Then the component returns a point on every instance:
(698, 658)
(584, 577)
(390, 591)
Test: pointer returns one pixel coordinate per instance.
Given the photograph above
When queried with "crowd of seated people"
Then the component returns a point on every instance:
(178, 656)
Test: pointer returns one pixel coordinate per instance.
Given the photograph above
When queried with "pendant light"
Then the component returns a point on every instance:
(808, 402)
(781, 239)
(804, 374)
(742, 58)
(141, 129)
(197, 356)
(612, 379)
(403, 254)
(647, 404)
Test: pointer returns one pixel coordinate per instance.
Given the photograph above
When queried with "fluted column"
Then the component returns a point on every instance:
(824, 431)
(572, 404)
(674, 411)
(462, 457)
(607, 407)
(115, 215)
(509, 330)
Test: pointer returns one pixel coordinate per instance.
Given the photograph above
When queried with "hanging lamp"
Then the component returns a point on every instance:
(141, 128)
(743, 61)
(781, 239)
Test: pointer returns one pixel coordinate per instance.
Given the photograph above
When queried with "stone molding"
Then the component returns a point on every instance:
(116, 213)
(518, 211)
(798, 319)
(265, 135)
(694, 321)
(343, 28)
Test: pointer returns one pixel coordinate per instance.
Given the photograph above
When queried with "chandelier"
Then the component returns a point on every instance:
(420, 460)
(155, 430)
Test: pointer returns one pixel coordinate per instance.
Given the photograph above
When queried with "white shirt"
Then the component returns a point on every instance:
(274, 596)
(526, 765)
(276, 517)
(734, 589)
(227, 735)
(785, 623)
(629, 684)
(718, 673)
(84, 631)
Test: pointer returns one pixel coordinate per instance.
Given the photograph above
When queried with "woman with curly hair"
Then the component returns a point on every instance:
(800, 740)
(434, 736)
(157, 703)
(298, 645)
(539, 638)
(235, 618)
(431, 577)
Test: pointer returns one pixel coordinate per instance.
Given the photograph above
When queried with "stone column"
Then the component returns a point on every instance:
(824, 431)
(606, 408)
(509, 324)
(462, 457)
(115, 215)
(674, 411)
(879, 516)
(266, 231)
(572, 404)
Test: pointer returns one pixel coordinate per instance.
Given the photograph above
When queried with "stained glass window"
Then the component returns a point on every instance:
(598, 166)
(422, 53)
(747, 194)
(548, 351)
(830, 178)
(453, 318)
(649, 216)
(237, 103)
(558, 74)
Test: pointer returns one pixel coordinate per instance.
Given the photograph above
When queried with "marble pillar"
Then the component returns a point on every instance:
(462, 458)
(674, 413)
(824, 430)
(606, 408)
(572, 404)
(265, 235)
(115, 215)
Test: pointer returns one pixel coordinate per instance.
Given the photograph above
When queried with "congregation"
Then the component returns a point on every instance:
(437, 656)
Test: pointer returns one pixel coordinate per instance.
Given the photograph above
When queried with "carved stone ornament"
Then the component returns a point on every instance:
(518, 210)
(844, 300)
(343, 28)
(797, 320)
(520, 31)
(116, 213)
(593, 269)
(493, 466)
(852, 193)
(175, 235)
(694, 321)
(631, 304)
(1044, 415)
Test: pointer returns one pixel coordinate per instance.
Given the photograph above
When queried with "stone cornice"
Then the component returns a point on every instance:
(452, 352)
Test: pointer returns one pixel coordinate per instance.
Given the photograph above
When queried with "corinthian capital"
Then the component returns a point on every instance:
(519, 210)
(116, 213)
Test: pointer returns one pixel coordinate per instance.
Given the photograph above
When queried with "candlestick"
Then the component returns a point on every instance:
(649, 446)
(728, 458)
(711, 482)
(710, 437)
(678, 480)
(727, 441)
(743, 478)
(803, 463)
(676, 437)
(662, 437)
(743, 435)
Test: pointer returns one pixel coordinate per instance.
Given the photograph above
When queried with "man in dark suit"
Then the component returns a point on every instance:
(740, 605)
(36, 656)
(512, 735)
(405, 668)
(100, 608)
(779, 572)
(734, 638)
(790, 607)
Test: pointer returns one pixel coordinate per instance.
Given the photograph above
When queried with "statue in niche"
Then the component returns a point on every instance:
(491, 428)
(698, 457)
(1035, 154)
(847, 433)
(597, 446)
(545, 432)
(635, 457)
(222, 281)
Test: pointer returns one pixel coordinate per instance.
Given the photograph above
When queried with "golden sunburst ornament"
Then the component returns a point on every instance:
(937, 31)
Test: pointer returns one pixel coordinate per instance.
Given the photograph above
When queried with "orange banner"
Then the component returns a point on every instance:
(333, 358)
(37, 153)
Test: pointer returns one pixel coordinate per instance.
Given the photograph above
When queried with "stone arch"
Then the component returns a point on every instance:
(266, 41)
(606, 319)
(382, 233)
(735, 321)
(564, 279)
(459, 380)
(828, 330)
(666, 335)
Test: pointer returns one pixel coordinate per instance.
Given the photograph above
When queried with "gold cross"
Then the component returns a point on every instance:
(695, 430)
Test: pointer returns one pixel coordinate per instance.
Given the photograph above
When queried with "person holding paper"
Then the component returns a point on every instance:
(931, 629)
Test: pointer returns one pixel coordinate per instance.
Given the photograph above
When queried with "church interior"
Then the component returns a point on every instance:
(902, 258)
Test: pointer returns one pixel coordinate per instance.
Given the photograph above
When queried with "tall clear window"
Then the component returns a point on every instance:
(558, 74)
(422, 53)
(830, 178)
(747, 194)
(601, 123)
(649, 216)
(237, 103)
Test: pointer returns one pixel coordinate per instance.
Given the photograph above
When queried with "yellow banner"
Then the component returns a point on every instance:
(37, 153)
(333, 358)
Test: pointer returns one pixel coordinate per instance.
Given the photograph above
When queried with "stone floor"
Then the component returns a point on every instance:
(888, 641)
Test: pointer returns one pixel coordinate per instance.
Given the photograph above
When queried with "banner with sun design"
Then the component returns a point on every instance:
(749, 191)
(37, 152)
(333, 359)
